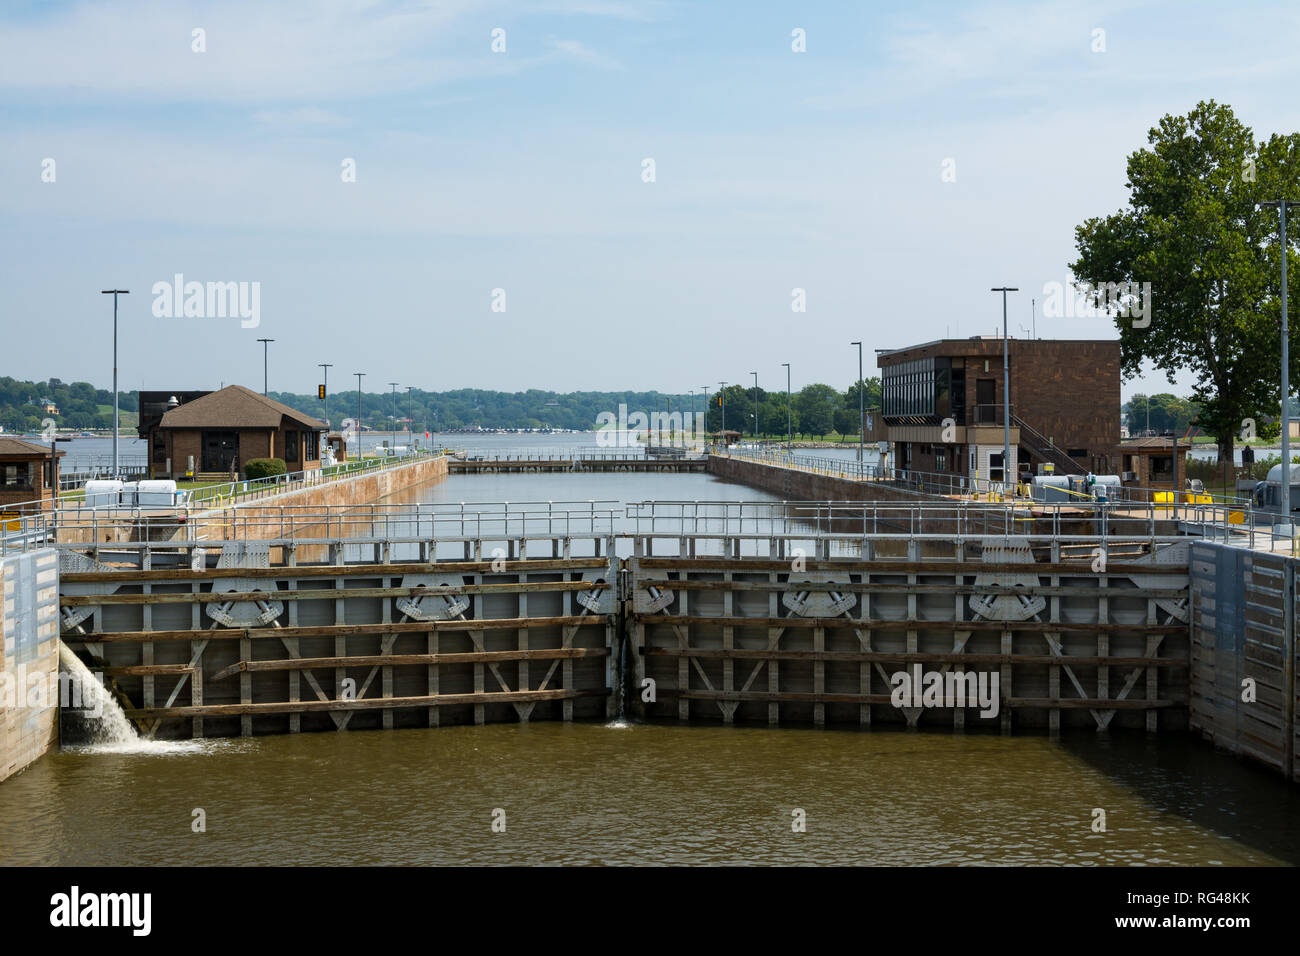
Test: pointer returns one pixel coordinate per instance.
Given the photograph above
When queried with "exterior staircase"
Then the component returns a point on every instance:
(1042, 446)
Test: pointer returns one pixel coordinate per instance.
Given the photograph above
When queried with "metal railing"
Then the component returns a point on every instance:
(30, 523)
(955, 485)
(554, 454)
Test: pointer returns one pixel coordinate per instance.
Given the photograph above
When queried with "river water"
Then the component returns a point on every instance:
(648, 793)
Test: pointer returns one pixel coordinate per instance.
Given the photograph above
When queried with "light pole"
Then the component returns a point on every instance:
(325, 387)
(266, 344)
(358, 422)
(755, 374)
(114, 293)
(704, 394)
(788, 418)
(409, 435)
(397, 411)
(862, 417)
(1006, 388)
(722, 400)
(1281, 206)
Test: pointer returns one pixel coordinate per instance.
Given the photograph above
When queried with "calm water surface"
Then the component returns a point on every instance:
(658, 794)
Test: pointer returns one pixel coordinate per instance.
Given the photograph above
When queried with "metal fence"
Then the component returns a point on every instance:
(954, 485)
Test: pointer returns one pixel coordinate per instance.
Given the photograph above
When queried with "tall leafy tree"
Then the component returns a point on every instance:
(1194, 230)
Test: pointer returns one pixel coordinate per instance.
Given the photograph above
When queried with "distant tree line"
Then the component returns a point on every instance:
(816, 409)
(80, 404)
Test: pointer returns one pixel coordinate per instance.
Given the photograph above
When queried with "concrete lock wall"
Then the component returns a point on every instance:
(29, 650)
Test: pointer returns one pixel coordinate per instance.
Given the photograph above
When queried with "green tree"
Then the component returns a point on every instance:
(1193, 229)
(817, 404)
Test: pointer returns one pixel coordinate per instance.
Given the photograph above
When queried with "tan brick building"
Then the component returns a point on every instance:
(1065, 405)
(215, 433)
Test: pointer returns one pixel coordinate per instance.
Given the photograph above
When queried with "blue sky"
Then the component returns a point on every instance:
(522, 171)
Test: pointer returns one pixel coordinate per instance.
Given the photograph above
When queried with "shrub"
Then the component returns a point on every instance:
(256, 468)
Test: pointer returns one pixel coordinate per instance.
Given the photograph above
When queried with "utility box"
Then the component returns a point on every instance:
(156, 494)
(103, 493)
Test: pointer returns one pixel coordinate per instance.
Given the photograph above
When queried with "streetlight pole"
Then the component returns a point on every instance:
(409, 435)
(265, 346)
(114, 293)
(327, 366)
(862, 416)
(358, 422)
(1281, 206)
(788, 417)
(755, 374)
(1006, 389)
(397, 409)
(704, 394)
(722, 400)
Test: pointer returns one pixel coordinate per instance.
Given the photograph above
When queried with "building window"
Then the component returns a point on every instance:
(995, 466)
(1078, 453)
(17, 477)
(940, 459)
(311, 445)
(290, 446)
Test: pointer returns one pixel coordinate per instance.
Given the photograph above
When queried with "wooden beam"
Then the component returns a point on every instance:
(1014, 702)
(145, 669)
(859, 587)
(887, 566)
(903, 657)
(340, 630)
(327, 570)
(364, 703)
(882, 624)
(397, 660)
(322, 594)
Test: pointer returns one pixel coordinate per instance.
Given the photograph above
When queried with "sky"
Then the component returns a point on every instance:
(502, 228)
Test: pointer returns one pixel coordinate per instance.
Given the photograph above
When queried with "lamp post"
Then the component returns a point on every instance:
(722, 400)
(115, 293)
(704, 394)
(396, 408)
(1006, 388)
(862, 417)
(409, 436)
(755, 374)
(266, 344)
(358, 422)
(788, 418)
(326, 388)
(1281, 206)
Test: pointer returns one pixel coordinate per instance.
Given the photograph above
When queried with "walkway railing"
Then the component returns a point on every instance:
(636, 452)
(953, 485)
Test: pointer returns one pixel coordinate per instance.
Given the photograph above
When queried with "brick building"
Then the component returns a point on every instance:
(27, 472)
(1065, 405)
(215, 433)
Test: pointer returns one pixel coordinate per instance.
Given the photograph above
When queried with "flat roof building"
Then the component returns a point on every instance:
(942, 406)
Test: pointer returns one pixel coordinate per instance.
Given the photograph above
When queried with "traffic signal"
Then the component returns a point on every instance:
(320, 392)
